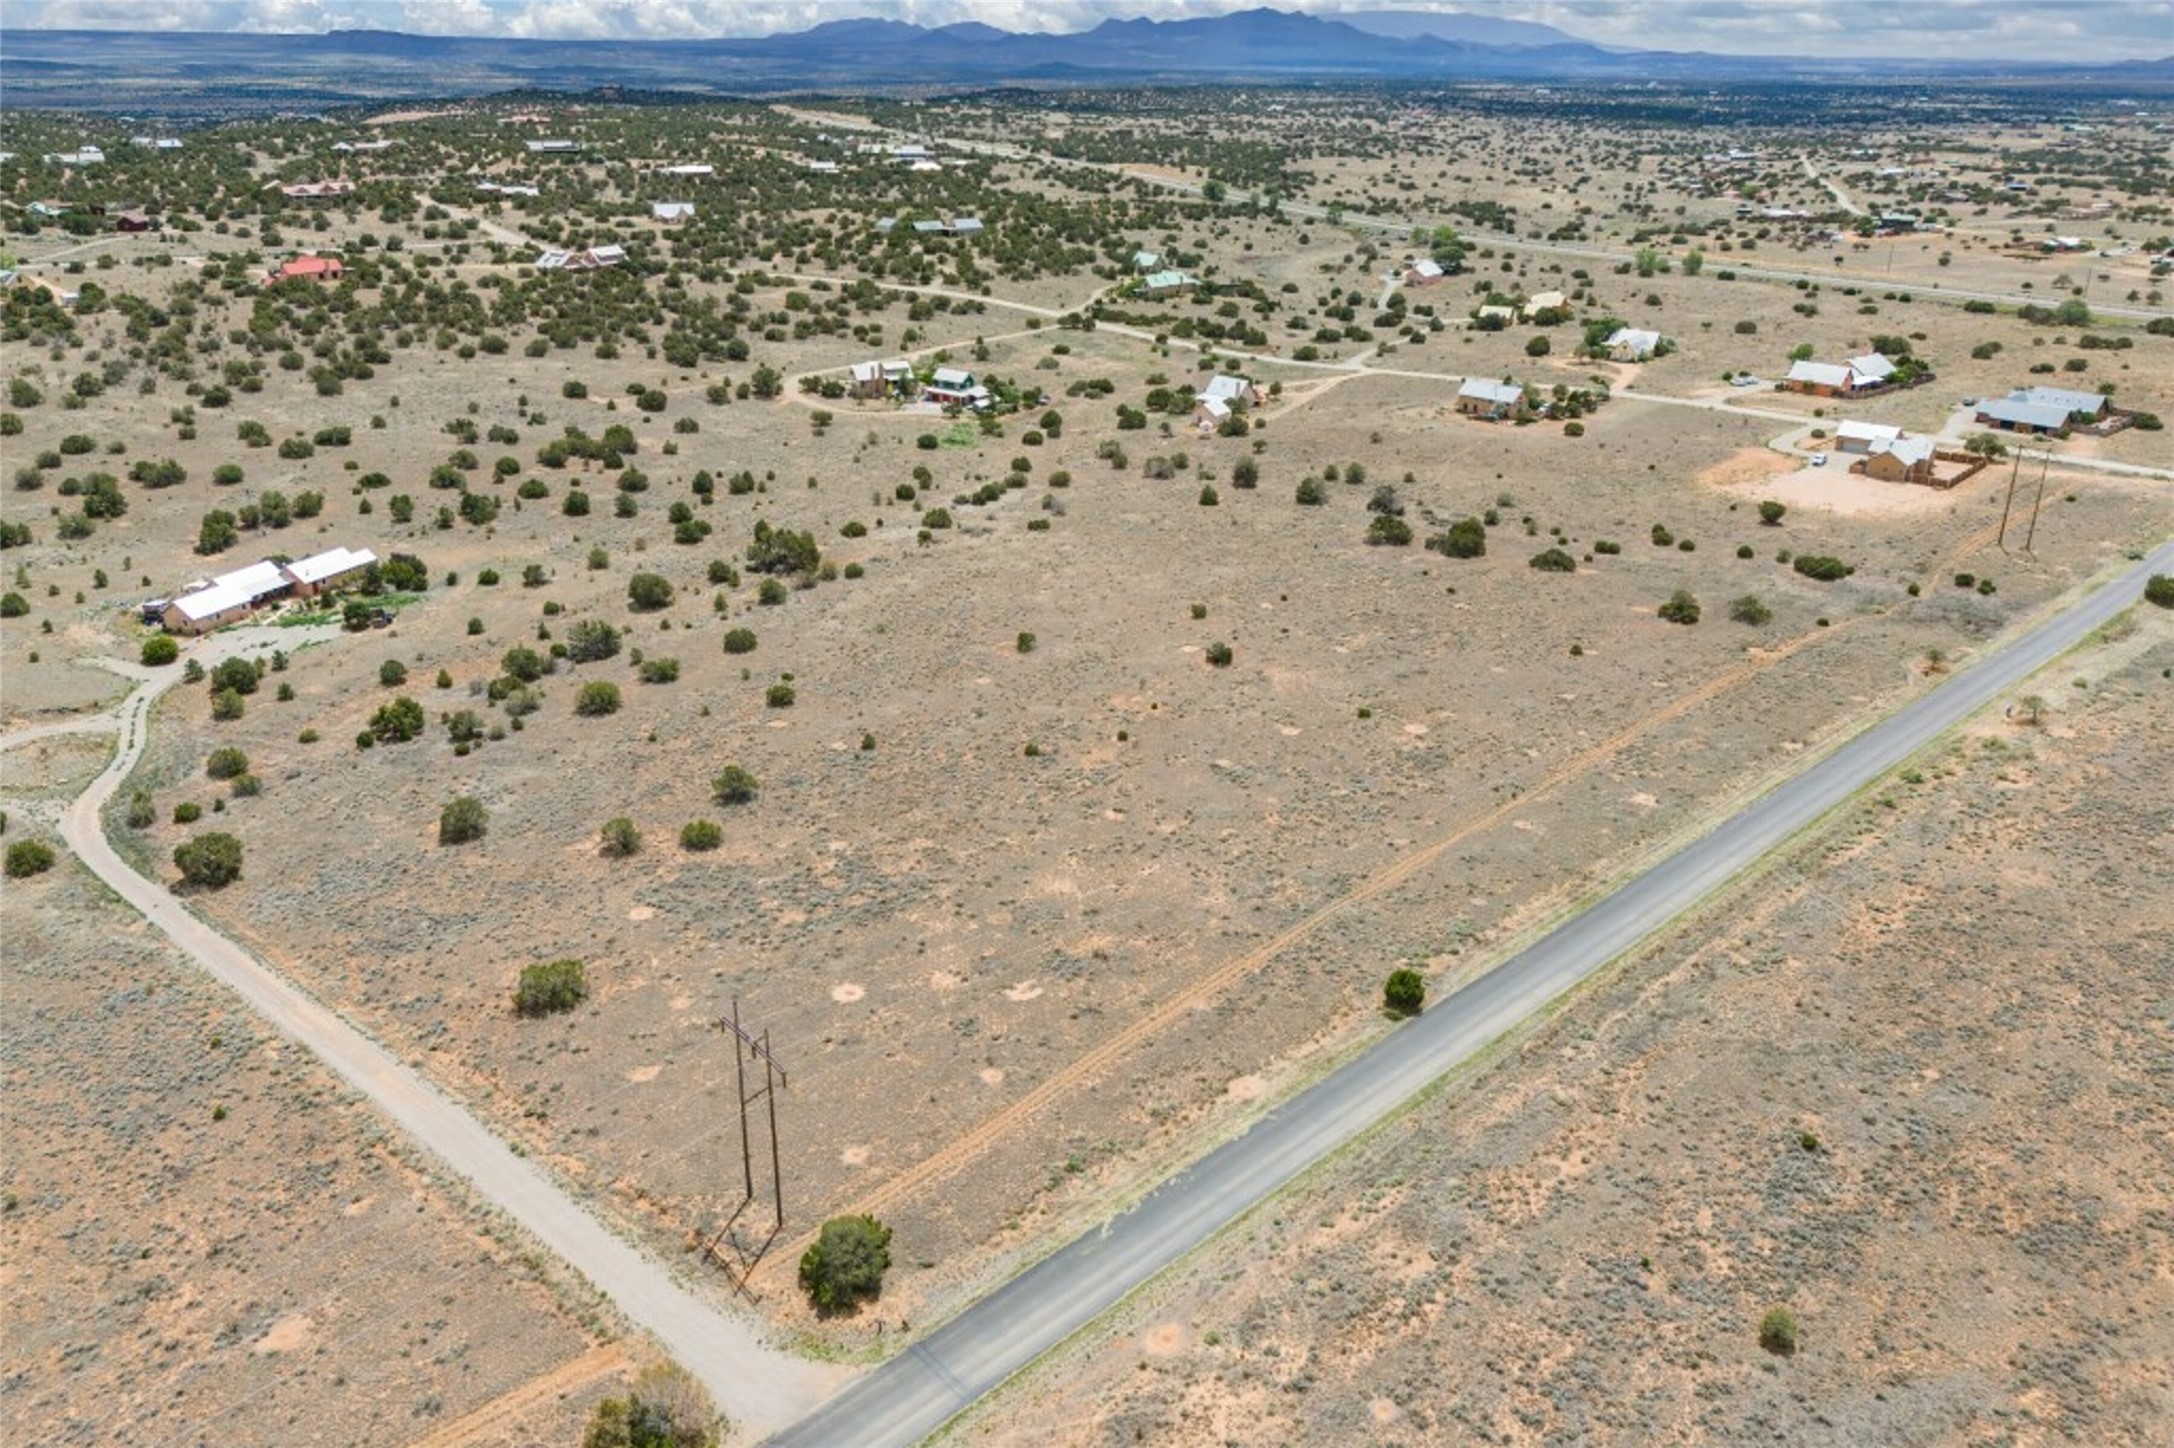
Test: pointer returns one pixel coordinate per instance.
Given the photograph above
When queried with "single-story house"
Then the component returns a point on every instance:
(364, 146)
(671, 212)
(1837, 379)
(1210, 413)
(1632, 344)
(822, 168)
(1543, 302)
(2042, 409)
(156, 143)
(2093, 405)
(966, 226)
(322, 572)
(1144, 262)
(1227, 389)
(1901, 459)
(868, 380)
(509, 188)
(316, 190)
(930, 227)
(688, 168)
(553, 147)
(924, 164)
(1864, 437)
(1479, 397)
(225, 599)
(82, 156)
(1504, 315)
(132, 221)
(1424, 272)
(2063, 243)
(1164, 283)
(309, 268)
(206, 609)
(594, 258)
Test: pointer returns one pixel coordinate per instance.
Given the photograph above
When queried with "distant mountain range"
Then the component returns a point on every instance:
(106, 70)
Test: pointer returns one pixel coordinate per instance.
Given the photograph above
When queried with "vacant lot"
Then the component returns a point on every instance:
(1912, 1085)
(207, 1242)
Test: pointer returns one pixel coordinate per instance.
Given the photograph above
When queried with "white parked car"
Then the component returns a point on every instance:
(1819, 460)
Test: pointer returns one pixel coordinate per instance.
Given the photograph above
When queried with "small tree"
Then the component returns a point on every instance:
(847, 1263)
(1219, 654)
(1778, 1331)
(555, 985)
(226, 763)
(647, 592)
(2032, 708)
(392, 673)
(160, 649)
(27, 858)
(209, 861)
(2159, 589)
(739, 641)
(619, 838)
(1404, 993)
(590, 640)
(1466, 538)
(1770, 513)
(1680, 608)
(699, 835)
(597, 698)
(667, 1408)
(734, 785)
(463, 820)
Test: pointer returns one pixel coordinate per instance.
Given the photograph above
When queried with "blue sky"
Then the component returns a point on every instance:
(2081, 30)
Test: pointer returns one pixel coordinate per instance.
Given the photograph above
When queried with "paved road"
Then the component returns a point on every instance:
(915, 1393)
(758, 1387)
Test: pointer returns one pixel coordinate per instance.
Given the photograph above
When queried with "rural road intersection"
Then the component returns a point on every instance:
(920, 1390)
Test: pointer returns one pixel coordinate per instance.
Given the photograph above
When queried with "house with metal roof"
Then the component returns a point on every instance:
(671, 212)
(1164, 283)
(321, 572)
(1900, 459)
(2014, 414)
(1632, 344)
(2093, 405)
(1479, 397)
(1862, 437)
(1424, 272)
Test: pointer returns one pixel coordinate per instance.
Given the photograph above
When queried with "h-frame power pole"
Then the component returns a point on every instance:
(749, 1048)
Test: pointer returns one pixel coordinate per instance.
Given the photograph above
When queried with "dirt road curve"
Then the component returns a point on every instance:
(758, 1387)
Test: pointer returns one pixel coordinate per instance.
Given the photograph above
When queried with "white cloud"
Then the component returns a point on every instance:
(1990, 29)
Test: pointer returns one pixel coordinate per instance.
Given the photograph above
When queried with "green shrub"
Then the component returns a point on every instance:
(1680, 608)
(648, 592)
(1554, 560)
(740, 641)
(847, 1262)
(553, 985)
(392, 673)
(27, 858)
(1770, 513)
(619, 838)
(1310, 493)
(1749, 610)
(1388, 531)
(1466, 538)
(188, 812)
(1821, 567)
(1219, 654)
(660, 671)
(209, 861)
(597, 698)
(779, 696)
(590, 640)
(1404, 993)
(1778, 1331)
(158, 650)
(2159, 589)
(225, 763)
(463, 820)
(701, 835)
(734, 785)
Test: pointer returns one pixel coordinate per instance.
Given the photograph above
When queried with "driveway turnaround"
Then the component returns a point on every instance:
(920, 1390)
(758, 1387)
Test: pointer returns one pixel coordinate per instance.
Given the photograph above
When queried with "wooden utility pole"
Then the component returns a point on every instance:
(749, 1048)
(2002, 541)
(2046, 461)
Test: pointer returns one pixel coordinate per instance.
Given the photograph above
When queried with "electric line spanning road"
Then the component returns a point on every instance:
(925, 1386)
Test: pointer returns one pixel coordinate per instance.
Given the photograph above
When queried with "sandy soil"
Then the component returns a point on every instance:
(1904, 1086)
